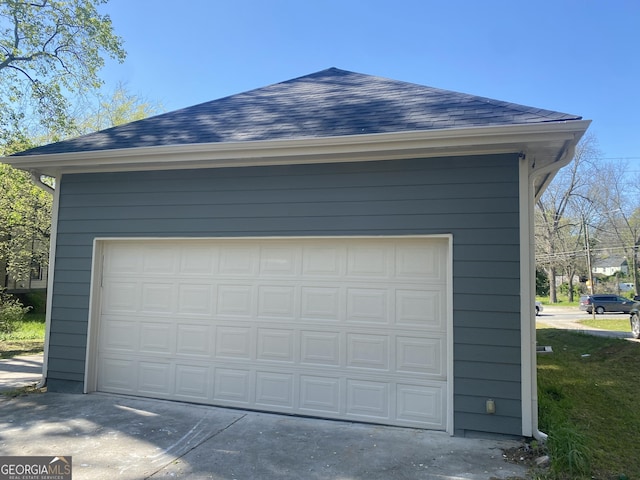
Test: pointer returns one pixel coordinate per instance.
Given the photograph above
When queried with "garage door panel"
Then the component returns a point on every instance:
(120, 296)
(157, 338)
(275, 345)
(124, 259)
(276, 301)
(416, 262)
(194, 340)
(192, 382)
(368, 351)
(233, 386)
(156, 378)
(118, 334)
(368, 400)
(339, 328)
(421, 356)
(158, 298)
(160, 260)
(369, 262)
(279, 260)
(118, 375)
(320, 304)
(274, 389)
(323, 261)
(198, 261)
(238, 260)
(236, 301)
(421, 404)
(320, 348)
(234, 343)
(421, 308)
(320, 394)
(195, 299)
(368, 305)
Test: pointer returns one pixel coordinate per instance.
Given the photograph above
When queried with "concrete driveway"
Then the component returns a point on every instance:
(111, 436)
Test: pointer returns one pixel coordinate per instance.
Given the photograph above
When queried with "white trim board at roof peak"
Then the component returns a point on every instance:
(545, 141)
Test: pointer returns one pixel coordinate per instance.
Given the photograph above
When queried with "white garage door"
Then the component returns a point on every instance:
(340, 328)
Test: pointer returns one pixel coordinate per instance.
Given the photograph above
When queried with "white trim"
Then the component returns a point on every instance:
(542, 139)
(90, 378)
(50, 277)
(95, 297)
(450, 398)
(528, 384)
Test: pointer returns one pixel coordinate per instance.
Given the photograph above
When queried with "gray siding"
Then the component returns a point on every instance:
(473, 198)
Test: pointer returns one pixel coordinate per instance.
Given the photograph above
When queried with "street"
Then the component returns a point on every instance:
(569, 318)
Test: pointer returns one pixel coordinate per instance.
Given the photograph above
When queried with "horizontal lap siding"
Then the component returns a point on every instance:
(473, 198)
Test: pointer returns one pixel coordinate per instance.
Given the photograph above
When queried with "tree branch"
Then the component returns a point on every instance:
(11, 58)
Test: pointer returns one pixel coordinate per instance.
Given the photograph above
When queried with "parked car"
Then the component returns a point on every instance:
(538, 308)
(605, 302)
(634, 320)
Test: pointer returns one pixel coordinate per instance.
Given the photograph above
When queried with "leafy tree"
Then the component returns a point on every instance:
(50, 51)
(542, 283)
(25, 210)
(117, 108)
(25, 223)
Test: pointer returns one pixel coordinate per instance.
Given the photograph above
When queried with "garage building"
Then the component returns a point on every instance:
(338, 245)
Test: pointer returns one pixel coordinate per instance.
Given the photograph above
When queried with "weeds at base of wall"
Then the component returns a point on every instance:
(26, 390)
(567, 447)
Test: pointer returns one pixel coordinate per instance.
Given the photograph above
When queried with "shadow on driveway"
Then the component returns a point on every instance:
(111, 436)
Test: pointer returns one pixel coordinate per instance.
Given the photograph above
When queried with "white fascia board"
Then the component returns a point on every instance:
(530, 138)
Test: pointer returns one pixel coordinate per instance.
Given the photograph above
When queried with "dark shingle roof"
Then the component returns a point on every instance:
(328, 103)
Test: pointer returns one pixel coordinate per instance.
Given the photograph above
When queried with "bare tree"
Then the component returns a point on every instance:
(621, 212)
(560, 215)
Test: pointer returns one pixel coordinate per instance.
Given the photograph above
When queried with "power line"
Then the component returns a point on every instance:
(579, 253)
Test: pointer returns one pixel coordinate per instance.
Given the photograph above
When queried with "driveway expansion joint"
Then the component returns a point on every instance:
(168, 450)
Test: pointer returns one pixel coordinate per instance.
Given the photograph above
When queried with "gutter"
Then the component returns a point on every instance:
(36, 177)
(533, 195)
(365, 147)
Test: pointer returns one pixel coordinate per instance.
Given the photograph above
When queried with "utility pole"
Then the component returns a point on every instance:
(635, 268)
(587, 246)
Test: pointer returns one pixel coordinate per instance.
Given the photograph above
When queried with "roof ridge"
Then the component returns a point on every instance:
(326, 103)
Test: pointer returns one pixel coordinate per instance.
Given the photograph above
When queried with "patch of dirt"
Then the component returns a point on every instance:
(525, 454)
(22, 391)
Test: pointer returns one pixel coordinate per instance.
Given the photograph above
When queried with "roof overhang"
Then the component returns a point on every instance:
(547, 146)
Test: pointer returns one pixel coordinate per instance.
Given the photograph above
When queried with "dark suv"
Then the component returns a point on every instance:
(605, 303)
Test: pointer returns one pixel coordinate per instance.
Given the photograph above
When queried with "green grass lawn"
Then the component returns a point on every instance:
(563, 301)
(618, 324)
(27, 338)
(590, 386)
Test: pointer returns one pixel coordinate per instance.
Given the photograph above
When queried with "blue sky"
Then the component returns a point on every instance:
(574, 56)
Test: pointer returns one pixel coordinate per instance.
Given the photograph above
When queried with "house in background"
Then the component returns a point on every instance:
(611, 265)
(37, 280)
(338, 245)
